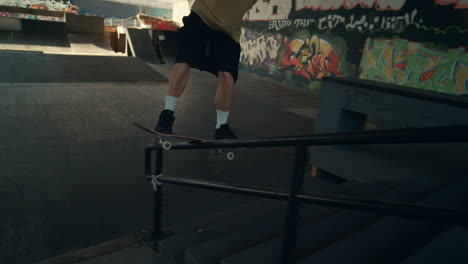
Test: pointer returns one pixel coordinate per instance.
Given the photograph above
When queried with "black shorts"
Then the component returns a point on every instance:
(206, 49)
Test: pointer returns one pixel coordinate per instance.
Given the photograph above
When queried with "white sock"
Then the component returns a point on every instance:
(171, 102)
(222, 118)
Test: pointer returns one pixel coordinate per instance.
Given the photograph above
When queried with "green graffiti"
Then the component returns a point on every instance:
(412, 64)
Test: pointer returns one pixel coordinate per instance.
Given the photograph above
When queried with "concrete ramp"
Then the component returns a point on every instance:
(86, 36)
(168, 43)
(21, 67)
(84, 24)
(91, 44)
(80, 35)
(140, 45)
(33, 35)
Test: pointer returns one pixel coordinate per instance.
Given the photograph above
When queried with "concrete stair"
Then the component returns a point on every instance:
(252, 233)
(449, 247)
(325, 231)
(393, 239)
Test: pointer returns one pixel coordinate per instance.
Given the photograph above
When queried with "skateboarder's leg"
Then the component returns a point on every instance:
(193, 38)
(178, 79)
(223, 98)
(226, 55)
(177, 84)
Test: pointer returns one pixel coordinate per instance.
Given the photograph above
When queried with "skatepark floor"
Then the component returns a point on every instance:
(72, 163)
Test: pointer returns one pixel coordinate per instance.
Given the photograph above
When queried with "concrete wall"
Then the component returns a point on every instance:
(413, 43)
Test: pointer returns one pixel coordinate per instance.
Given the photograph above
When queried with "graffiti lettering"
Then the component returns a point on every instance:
(358, 24)
(350, 4)
(460, 4)
(269, 10)
(279, 25)
(412, 64)
(398, 22)
(301, 23)
(330, 21)
(313, 58)
(352, 22)
(259, 49)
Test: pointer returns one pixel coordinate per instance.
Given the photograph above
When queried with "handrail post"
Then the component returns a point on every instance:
(157, 196)
(292, 218)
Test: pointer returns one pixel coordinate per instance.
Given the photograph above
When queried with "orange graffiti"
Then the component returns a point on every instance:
(40, 7)
(312, 58)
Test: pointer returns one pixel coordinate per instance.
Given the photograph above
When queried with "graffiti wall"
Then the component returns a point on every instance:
(412, 64)
(109, 9)
(413, 43)
(121, 9)
(52, 5)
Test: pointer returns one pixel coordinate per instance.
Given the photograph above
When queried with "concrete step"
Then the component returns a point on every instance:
(209, 227)
(312, 184)
(138, 254)
(176, 244)
(393, 239)
(385, 242)
(325, 231)
(214, 250)
(130, 249)
(450, 247)
(199, 222)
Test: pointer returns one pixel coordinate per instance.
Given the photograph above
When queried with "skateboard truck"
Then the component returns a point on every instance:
(220, 153)
(167, 145)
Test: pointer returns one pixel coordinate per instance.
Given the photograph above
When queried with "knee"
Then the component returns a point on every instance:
(181, 67)
(226, 79)
(179, 72)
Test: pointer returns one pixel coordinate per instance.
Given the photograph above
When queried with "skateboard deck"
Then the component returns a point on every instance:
(167, 144)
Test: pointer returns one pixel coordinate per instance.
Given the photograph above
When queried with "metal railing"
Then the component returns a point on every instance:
(448, 134)
(122, 22)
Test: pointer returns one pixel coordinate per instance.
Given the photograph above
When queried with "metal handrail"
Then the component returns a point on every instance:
(439, 214)
(447, 134)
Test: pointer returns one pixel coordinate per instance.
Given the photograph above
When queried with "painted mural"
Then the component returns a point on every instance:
(412, 64)
(414, 43)
(52, 5)
(108, 9)
(42, 4)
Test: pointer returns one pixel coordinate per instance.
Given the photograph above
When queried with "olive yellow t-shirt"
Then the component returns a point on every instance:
(223, 15)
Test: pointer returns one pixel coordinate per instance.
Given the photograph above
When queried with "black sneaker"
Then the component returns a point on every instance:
(166, 120)
(224, 132)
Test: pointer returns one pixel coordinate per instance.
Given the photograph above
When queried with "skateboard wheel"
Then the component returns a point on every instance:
(230, 156)
(166, 145)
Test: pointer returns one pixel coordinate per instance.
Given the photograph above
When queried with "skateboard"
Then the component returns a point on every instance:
(166, 144)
